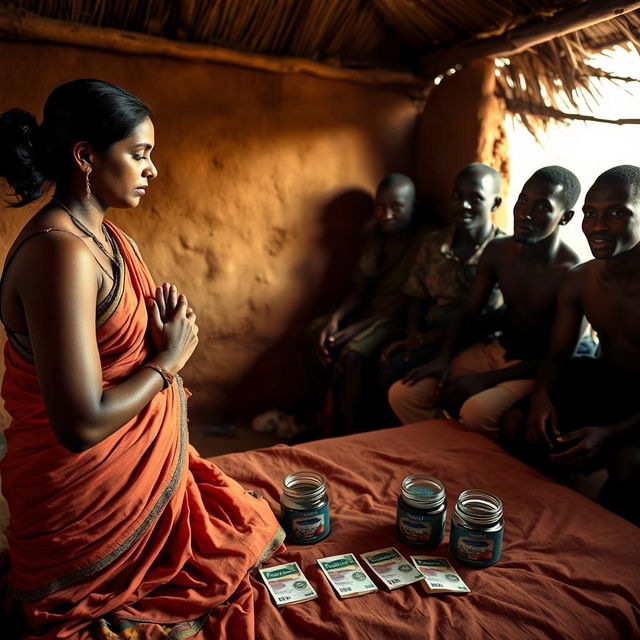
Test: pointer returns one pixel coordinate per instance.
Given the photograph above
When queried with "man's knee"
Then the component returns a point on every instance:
(476, 415)
(397, 396)
(416, 402)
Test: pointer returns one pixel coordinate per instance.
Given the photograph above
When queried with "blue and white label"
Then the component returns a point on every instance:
(478, 549)
(420, 530)
(306, 526)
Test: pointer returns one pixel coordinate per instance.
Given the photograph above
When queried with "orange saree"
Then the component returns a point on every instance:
(138, 532)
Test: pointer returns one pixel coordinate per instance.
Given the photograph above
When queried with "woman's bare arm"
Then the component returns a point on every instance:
(58, 293)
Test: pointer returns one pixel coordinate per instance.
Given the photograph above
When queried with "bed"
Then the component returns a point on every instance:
(569, 569)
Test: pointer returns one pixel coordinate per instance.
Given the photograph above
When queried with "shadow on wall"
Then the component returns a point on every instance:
(279, 377)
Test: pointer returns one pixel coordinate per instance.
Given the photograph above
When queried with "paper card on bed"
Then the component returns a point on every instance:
(439, 575)
(346, 575)
(287, 584)
(391, 567)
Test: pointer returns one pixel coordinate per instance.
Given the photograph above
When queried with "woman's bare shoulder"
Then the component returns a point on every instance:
(45, 252)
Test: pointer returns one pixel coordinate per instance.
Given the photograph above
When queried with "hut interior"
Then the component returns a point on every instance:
(275, 119)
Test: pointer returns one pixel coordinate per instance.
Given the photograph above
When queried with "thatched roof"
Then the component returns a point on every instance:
(540, 74)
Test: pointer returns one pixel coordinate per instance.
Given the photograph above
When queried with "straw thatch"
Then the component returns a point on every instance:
(555, 79)
(540, 74)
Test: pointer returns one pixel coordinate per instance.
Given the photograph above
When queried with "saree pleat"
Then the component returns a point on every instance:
(138, 528)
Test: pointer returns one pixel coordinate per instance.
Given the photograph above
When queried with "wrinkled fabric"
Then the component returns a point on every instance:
(569, 568)
(138, 527)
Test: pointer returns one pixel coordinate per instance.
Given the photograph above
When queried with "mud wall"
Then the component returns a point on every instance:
(264, 182)
(463, 122)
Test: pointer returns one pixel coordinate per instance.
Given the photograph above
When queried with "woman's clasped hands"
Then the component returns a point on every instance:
(172, 323)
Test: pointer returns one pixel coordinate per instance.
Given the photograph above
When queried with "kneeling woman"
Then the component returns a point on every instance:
(115, 520)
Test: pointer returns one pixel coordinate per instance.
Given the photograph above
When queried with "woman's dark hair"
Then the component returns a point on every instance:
(91, 110)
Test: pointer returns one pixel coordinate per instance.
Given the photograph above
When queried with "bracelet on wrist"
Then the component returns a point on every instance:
(167, 376)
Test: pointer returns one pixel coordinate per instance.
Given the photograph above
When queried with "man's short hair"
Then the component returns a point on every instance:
(555, 174)
(396, 180)
(627, 174)
(482, 169)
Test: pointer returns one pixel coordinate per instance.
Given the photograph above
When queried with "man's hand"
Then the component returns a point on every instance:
(457, 390)
(410, 344)
(396, 346)
(437, 368)
(324, 343)
(589, 443)
(542, 420)
(339, 339)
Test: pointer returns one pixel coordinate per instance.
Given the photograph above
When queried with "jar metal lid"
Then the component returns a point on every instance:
(304, 484)
(479, 507)
(423, 492)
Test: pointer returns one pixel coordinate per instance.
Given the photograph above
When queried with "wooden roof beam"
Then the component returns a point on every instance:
(21, 25)
(528, 35)
(518, 105)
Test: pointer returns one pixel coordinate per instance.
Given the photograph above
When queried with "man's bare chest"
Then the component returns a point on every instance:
(531, 290)
(614, 313)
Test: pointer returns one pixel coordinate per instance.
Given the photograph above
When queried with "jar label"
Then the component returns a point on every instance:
(420, 530)
(475, 548)
(414, 528)
(306, 526)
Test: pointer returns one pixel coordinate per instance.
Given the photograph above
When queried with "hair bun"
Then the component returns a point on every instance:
(19, 154)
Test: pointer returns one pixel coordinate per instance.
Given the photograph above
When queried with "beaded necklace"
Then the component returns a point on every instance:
(97, 242)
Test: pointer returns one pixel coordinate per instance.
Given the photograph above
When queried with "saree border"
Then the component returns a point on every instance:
(271, 548)
(112, 301)
(166, 494)
(19, 348)
(131, 627)
(188, 628)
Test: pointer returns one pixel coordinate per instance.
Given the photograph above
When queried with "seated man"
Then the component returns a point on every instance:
(593, 402)
(485, 380)
(351, 339)
(444, 269)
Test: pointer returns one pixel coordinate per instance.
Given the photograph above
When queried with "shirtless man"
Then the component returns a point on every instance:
(593, 402)
(485, 380)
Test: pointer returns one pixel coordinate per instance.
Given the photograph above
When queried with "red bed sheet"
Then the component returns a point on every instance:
(569, 568)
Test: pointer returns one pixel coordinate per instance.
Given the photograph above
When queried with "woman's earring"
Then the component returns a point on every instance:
(88, 185)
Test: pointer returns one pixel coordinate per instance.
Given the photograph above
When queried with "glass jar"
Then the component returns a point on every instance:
(422, 511)
(477, 527)
(304, 505)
